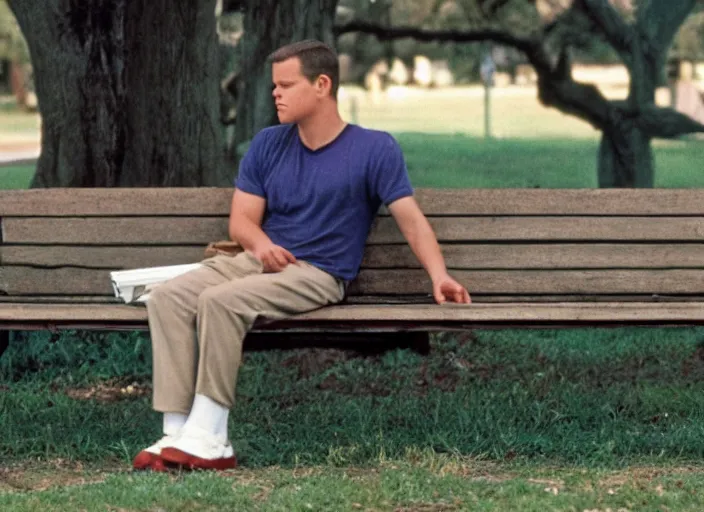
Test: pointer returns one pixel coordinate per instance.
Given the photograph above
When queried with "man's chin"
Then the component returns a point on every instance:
(283, 118)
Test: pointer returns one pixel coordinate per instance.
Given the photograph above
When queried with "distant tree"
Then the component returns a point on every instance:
(546, 31)
(689, 43)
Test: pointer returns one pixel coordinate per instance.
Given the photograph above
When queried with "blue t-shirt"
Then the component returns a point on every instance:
(320, 204)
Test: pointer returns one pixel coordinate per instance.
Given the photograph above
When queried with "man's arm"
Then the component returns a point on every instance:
(246, 215)
(245, 227)
(420, 236)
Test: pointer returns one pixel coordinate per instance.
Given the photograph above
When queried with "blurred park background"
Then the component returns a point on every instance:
(468, 114)
(479, 93)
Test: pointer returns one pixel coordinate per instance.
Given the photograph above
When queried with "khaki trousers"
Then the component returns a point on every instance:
(198, 321)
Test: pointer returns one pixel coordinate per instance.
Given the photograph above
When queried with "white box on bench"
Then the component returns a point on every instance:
(135, 285)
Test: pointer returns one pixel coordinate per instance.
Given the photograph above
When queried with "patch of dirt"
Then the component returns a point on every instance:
(641, 475)
(546, 481)
(366, 388)
(431, 507)
(694, 365)
(110, 391)
(32, 476)
(315, 361)
(462, 338)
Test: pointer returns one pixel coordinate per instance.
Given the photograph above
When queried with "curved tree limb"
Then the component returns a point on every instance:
(457, 36)
(617, 31)
(556, 88)
(584, 101)
(659, 21)
(532, 48)
(491, 7)
(667, 123)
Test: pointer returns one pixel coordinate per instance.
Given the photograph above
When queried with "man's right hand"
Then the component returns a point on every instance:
(274, 258)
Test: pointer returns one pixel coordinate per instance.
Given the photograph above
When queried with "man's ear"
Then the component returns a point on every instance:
(323, 84)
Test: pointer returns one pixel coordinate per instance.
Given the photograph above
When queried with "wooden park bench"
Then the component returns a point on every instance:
(529, 257)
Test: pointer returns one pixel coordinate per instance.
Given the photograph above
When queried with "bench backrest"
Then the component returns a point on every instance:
(504, 244)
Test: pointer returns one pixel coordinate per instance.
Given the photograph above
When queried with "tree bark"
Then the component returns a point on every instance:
(174, 89)
(625, 160)
(268, 25)
(127, 90)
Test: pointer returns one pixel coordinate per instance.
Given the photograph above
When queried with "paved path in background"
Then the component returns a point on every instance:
(20, 152)
(18, 157)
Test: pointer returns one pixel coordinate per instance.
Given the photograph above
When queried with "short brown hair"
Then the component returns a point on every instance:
(317, 58)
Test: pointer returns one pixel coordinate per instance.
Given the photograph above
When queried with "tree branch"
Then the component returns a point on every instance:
(667, 123)
(556, 88)
(584, 101)
(455, 36)
(532, 48)
(491, 7)
(659, 21)
(617, 31)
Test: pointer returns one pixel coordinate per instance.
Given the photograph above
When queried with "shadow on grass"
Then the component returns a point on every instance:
(583, 396)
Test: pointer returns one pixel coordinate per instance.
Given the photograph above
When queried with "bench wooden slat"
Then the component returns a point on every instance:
(121, 231)
(112, 258)
(116, 201)
(457, 256)
(16, 280)
(216, 201)
(390, 300)
(553, 282)
(420, 314)
(201, 230)
(541, 256)
(61, 299)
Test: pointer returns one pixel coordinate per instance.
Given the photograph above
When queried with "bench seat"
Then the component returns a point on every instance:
(378, 317)
(529, 257)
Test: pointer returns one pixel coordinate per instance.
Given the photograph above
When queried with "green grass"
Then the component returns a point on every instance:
(515, 113)
(490, 420)
(16, 176)
(459, 161)
(585, 396)
(418, 483)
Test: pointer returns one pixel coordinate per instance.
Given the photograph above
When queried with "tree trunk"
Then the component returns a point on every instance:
(128, 92)
(625, 159)
(268, 25)
(625, 152)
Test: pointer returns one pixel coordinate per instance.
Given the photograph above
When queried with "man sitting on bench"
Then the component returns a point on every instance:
(305, 198)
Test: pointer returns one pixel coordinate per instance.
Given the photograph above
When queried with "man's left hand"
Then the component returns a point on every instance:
(447, 289)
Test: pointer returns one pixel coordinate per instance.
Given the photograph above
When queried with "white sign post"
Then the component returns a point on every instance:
(487, 70)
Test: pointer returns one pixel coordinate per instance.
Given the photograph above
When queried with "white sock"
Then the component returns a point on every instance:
(209, 415)
(173, 422)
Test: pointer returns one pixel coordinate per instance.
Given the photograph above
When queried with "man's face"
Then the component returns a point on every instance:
(295, 97)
